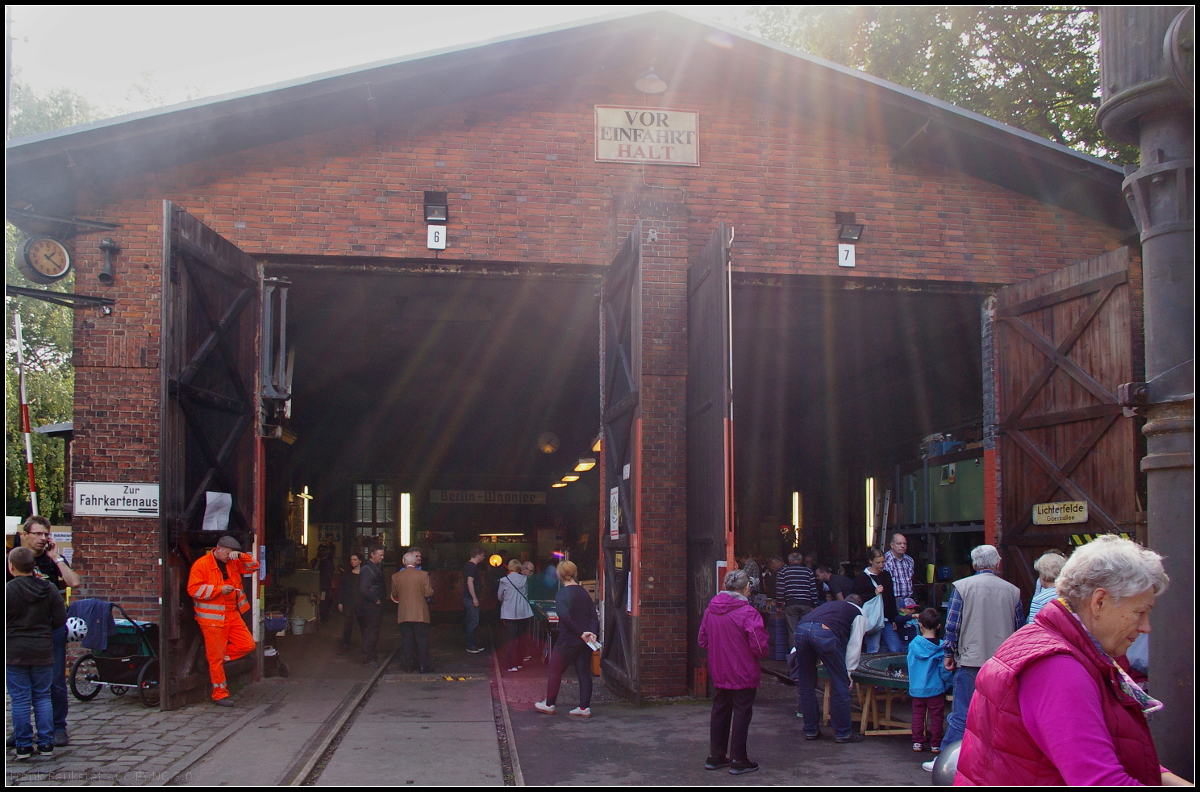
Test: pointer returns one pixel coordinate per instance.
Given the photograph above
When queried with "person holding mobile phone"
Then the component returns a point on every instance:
(577, 626)
(48, 564)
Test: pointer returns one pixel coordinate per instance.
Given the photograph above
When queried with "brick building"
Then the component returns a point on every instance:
(456, 385)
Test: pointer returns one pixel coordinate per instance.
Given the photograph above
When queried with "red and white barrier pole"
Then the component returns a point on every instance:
(33, 504)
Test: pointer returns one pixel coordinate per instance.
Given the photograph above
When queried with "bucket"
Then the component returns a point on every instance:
(298, 625)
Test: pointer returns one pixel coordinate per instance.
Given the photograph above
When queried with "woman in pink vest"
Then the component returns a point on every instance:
(1052, 706)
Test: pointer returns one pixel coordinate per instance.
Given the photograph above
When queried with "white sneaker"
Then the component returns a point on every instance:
(927, 766)
(514, 669)
(544, 708)
(582, 712)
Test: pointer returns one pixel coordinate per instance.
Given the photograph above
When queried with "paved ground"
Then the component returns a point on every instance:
(439, 728)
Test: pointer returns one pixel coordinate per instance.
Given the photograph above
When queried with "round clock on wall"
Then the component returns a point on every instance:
(547, 442)
(45, 259)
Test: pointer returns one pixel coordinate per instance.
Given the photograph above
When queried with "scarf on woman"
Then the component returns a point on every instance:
(1130, 688)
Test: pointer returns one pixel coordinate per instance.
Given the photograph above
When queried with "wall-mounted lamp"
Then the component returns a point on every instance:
(585, 464)
(437, 208)
(571, 477)
(110, 248)
(558, 484)
(850, 232)
(596, 443)
(850, 229)
(649, 81)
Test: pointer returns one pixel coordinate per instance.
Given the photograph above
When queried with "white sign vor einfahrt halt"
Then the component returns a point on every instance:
(648, 135)
(93, 499)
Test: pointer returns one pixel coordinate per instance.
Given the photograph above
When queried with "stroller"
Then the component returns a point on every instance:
(129, 660)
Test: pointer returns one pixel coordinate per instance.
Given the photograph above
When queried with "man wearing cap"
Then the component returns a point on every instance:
(216, 588)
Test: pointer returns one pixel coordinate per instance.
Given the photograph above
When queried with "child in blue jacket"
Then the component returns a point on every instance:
(928, 681)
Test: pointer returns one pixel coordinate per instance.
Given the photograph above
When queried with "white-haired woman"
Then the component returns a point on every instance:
(1047, 567)
(732, 632)
(1052, 706)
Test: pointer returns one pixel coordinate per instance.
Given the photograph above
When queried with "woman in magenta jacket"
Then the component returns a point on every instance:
(1052, 706)
(732, 632)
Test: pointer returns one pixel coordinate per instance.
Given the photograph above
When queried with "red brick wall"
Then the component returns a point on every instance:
(661, 557)
(523, 186)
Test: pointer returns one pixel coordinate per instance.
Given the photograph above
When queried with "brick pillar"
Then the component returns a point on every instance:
(660, 552)
(116, 416)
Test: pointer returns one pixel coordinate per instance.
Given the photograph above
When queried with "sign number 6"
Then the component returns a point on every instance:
(437, 237)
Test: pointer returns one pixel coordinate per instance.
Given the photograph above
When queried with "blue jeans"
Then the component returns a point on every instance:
(964, 689)
(871, 640)
(29, 686)
(470, 620)
(58, 686)
(891, 639)
(814, 642)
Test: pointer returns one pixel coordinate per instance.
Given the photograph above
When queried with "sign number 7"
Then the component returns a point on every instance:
(845, 255)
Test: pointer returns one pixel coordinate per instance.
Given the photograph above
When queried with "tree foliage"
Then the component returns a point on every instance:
(57, 108)
(46, 332)
(1033, 67)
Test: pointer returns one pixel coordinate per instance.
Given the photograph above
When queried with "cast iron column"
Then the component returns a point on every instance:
(1147, 71)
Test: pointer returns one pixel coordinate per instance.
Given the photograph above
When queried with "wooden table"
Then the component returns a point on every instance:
(874, 714)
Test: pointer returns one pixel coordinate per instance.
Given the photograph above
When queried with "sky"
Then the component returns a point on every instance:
(175, 53)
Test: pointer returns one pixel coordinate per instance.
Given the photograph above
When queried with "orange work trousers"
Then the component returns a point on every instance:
(227, 641)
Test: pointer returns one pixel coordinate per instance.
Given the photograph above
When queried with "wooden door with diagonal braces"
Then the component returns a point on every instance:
(209, 438)
(621, 356)
(1064, 342)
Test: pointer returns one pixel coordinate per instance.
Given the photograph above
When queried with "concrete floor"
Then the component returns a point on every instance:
(440, 728)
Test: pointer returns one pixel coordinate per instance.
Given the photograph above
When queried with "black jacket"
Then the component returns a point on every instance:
(349, 594)
(33, 609)
(370, 584)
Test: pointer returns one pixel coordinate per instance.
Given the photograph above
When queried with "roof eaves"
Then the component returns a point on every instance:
(335, 80)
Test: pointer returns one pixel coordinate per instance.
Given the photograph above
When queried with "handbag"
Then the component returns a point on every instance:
(873, 610)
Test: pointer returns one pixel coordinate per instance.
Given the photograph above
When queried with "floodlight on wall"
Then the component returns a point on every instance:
(851, 232)
(571, 477)
(437, 208)
(649, 81)
(558, 484)
(596, 443)
(585, 464)
(849, 229)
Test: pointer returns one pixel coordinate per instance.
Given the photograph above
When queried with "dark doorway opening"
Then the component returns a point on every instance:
(835, 383)
(413, 393)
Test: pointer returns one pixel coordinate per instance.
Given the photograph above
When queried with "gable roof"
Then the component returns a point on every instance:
(690, 53)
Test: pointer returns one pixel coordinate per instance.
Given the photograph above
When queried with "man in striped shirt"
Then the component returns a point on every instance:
(796, 588)
(900, 566)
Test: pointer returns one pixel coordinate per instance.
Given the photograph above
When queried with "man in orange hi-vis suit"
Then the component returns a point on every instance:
(215, 585)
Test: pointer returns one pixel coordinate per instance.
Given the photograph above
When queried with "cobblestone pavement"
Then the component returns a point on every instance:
(117, 740)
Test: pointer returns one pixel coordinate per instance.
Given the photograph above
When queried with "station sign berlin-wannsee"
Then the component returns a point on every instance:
(651, 135)
(489, 497)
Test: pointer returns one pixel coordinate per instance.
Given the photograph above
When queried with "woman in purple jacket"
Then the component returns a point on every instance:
(732, 632)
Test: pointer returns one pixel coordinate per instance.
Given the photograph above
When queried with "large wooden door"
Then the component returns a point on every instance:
(620, 361)
(709, 435)
(1064, 343)
(209, 442)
